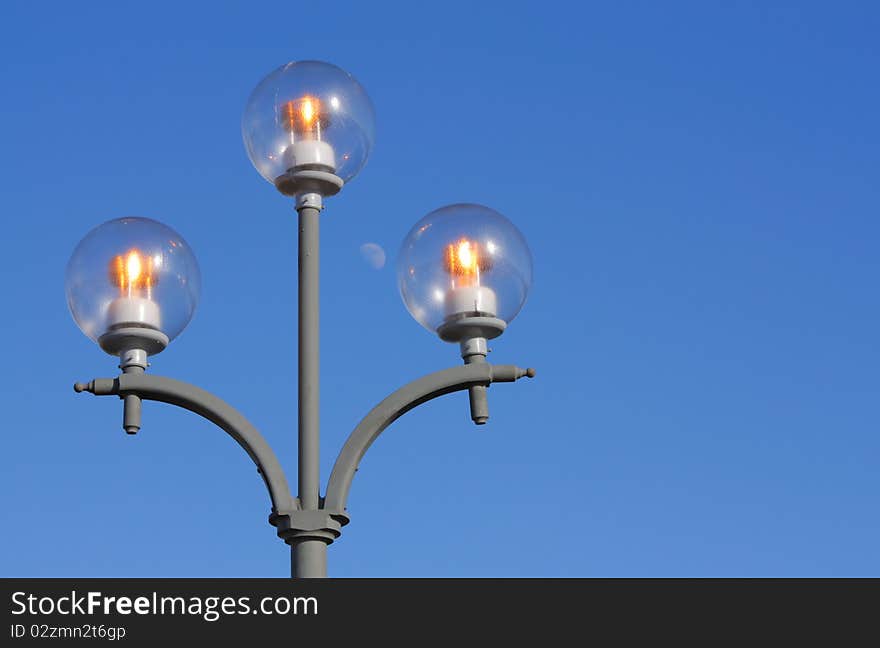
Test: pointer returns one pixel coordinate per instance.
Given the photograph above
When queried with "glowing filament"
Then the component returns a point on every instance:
(303, 117)
(307, 110)
(464, 260)
(133, 272)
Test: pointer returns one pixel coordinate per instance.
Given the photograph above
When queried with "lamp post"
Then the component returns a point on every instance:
(464, 272)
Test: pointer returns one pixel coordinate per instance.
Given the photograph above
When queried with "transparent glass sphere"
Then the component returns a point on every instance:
(132, 273)
(464, 261)
(308, 115)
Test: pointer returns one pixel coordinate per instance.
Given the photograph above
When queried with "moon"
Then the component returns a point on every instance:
(374, 255)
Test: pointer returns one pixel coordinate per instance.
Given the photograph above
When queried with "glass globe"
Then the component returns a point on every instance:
(464, 263)
(132, 277)
(308, 115)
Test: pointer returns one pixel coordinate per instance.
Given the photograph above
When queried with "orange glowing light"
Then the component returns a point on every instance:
(132, 271)
(307, 110)
(464, 260)
(303, 115)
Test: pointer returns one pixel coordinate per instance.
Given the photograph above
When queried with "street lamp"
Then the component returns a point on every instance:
(464, 272)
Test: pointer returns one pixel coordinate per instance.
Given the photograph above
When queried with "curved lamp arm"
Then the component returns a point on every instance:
(205, 404)
(395, 406)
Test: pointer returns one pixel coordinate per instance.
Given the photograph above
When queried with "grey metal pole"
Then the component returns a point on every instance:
(474, 351)
(309, 557)
(132, 361)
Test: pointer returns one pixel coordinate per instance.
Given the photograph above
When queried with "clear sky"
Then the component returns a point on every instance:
(698, 182)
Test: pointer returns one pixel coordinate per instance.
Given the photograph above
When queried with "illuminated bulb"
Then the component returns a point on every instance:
(465, 262)
(464, 272)
(133, 274)
(305, 122)
(132, 284)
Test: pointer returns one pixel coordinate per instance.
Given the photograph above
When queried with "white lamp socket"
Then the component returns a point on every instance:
(469, 299)
(309, 151)
(133, 311)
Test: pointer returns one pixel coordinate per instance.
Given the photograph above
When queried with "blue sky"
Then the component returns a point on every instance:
(698, 182)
